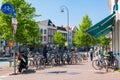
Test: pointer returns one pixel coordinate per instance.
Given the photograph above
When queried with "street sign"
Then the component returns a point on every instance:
(14, 24)
(9, 9)
(11, 44)
(6, 8)
(14, 13)
(14, 21)
(66, 43)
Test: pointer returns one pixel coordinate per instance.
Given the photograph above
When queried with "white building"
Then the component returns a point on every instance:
(114, 6)
(71, 32)
(48, 29)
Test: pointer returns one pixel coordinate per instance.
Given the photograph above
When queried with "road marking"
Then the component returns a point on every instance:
(3, 76)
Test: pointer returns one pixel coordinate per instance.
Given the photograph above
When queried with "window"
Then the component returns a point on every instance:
(41, 30)
(45, 31)
(52, 32)
(48, 39)
(44, 38)
(49, 32)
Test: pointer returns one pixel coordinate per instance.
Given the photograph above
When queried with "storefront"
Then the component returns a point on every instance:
(109, 24)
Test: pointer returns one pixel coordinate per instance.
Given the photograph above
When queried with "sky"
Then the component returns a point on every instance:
(50, 9)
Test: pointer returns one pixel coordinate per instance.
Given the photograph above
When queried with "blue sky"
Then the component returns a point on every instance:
(50, 9)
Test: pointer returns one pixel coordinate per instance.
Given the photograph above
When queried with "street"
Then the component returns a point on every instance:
(79, 71)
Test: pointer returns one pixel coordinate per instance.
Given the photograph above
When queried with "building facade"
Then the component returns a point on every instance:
(114, 7)
(48, 30)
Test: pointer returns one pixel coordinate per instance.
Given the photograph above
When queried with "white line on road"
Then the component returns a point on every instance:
(3, 76)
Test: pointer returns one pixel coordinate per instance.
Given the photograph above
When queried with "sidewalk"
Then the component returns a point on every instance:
(82, 71)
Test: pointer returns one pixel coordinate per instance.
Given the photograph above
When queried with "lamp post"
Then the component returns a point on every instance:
(63, 7)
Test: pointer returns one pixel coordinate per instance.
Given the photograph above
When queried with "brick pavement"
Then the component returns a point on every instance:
(82, 71)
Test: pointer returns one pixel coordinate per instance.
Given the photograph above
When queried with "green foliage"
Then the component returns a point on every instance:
(27, 30)
(104, 41)
(118, 70)
(81, 37)
(59, 39)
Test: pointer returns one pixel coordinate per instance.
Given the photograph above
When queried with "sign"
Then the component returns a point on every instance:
(14, 21)
(114, 5)
(11, 44)
(14, 24)
(14, 13)
(66, 43)
(6, 8)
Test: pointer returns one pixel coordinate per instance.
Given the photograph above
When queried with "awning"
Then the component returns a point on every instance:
(102, 28)
(104, 32)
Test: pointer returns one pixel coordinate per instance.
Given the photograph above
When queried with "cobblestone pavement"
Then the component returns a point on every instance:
(82, 71)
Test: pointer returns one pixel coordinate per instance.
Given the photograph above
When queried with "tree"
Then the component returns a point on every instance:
(27, 30)
(81, 37)
(59, 39)
(104, 41)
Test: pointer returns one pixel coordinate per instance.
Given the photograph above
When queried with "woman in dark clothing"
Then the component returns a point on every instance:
(91, 54)
(45, 51)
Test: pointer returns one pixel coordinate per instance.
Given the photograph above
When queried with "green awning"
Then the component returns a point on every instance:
(104, 32)
(102, 28)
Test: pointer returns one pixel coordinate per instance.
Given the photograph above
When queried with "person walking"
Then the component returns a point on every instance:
(91, 54)
(45, 51)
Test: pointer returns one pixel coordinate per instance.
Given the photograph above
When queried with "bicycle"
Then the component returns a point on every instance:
(100, 63)
(104, 62)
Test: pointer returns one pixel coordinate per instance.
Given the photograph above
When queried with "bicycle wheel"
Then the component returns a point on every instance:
(31, 63)
(96, 65)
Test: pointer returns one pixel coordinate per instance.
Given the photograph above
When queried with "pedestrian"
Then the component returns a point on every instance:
(91, 54)
(45, 51)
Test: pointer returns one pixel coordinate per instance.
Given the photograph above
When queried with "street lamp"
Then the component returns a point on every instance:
(63, 7)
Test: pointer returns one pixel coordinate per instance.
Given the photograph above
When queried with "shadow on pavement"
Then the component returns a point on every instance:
(57, 72)
(73, 73)
(99, 72)
(60, 72)
(78, 64)
(29, 71)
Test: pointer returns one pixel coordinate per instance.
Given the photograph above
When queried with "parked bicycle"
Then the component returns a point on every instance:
(103, 62)
(37, 61)
(99, 63)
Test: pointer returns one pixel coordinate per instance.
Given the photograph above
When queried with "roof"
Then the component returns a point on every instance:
(47, 23)
(74, 28)
(61, 28)
(67, 28)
